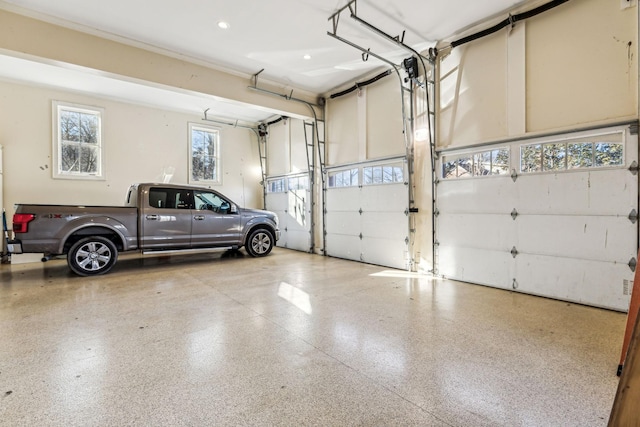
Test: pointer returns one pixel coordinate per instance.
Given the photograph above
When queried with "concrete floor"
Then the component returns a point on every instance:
(293, 339)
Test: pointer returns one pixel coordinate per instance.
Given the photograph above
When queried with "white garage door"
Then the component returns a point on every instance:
(560, 229)
(289, 198)
(366, 213)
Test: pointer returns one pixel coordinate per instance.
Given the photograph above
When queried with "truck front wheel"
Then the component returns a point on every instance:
(260, 242)
(92, 256)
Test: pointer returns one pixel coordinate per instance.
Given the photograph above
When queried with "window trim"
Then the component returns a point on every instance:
(218, 157)
(57, 106)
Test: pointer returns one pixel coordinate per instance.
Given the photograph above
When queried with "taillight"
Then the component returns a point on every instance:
(21, 222)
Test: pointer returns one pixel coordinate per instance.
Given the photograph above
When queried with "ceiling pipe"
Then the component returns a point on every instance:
(511, 20)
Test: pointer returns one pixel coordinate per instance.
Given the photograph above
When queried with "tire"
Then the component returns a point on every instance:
(92, 256)
(260, 242)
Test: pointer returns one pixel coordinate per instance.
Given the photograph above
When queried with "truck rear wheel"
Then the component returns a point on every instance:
(260, 242)
(92, 256)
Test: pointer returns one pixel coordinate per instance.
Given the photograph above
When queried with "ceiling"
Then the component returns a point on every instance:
(269, 35)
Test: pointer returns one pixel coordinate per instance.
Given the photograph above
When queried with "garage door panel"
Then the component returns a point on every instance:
(278, 198)
(487, 231)
(384, 198)
(572, 235)
(367, 222)
(343, 246)
(598, 192)
(346, 223)
(386, 252)
(469, 195)
(298, 240)
(384, 225)
(583, 237)
(596, 283)
(482, 266)
(343, 199)
(292, 210)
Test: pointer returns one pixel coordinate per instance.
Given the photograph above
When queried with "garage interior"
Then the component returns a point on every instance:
(457, 188)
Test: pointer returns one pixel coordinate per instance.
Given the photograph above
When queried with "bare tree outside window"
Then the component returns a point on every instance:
(78, 141)
(204, 144)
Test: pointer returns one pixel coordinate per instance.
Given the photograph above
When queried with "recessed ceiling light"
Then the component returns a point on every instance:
(223, 25)
(307, 56)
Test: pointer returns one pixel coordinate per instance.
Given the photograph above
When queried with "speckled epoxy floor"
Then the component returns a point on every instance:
(293, 339)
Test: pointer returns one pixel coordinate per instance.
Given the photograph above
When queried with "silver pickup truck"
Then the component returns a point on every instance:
(156, 217)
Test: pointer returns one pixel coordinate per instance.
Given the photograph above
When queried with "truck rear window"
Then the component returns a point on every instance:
(170, 198)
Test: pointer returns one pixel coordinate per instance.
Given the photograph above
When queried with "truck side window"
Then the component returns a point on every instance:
(169, 198)
(210, 201)
(157, 198)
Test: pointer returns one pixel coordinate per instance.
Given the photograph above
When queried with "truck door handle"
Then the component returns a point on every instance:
(152, 217)
(199, 217)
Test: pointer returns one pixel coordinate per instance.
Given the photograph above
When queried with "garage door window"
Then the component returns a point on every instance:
(298, 183)
(344, 178)
(600, 151)
(382, 174)
(276, 185)
(476, 164)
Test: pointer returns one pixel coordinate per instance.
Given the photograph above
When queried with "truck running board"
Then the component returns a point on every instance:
(190, 251)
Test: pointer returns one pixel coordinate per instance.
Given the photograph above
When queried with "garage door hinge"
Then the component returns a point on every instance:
(514, 284)
(436, 212)
(632, 264)
(360, 211)
(406, 240)
(436, 243)
(360, 235)
(514, 252)
(634, 168)
(514, 214)
(514, 175)
(633, 216)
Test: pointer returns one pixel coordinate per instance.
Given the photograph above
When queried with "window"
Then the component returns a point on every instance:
(209, 201)
(299, 183)
(476, 164)
(578, 153)
(204, 153)
(344, 178)
(275, 185)
(382, 174)
(170, 198)
(77, 141)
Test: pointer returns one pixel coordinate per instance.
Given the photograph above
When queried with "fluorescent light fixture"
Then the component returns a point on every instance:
(223, 25)
(307, 56)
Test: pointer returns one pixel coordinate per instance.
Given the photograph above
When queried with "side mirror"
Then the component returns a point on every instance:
(233, 209)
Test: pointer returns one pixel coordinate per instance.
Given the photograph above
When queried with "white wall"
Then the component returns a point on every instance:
(366, 124)
(570, 67)
(139, 143)
(286, 152)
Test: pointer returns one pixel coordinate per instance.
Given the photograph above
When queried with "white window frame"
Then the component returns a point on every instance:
(217, 180)
(57, 171)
